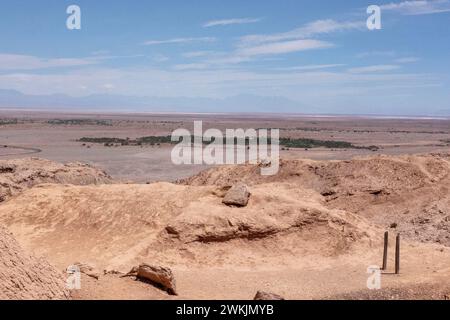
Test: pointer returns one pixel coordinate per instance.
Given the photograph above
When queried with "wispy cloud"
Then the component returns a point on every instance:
(387, 53)
(178, 41)
(251, 47)
(226, 22)
(299, 39)
(223, 59)
(190, 66)
(312, 67)
(25, 62)
(196, 54)
(309, 30)
(111, 57)
(284, 47)
(418, 7)
(375, 68)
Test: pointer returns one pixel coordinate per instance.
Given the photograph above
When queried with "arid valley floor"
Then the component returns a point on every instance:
(308, 232)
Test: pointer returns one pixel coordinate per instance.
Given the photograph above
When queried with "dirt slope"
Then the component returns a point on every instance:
(20, 174)
(23, 276)
(117, 225)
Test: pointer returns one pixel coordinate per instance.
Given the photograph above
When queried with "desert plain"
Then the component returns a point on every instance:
(309, 232)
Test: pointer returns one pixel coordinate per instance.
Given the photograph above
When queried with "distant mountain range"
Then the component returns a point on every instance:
(11, 99)
(110, 102)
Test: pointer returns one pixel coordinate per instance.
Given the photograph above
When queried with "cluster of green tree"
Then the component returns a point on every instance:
(150, 140)
(285, 142)
(313, 143)
(8, 121)
(298, 129)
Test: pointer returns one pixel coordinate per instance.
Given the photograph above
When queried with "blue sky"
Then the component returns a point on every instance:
(318, 55)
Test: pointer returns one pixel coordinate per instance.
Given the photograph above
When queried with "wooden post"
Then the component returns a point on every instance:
(397, 254)
(385, 250)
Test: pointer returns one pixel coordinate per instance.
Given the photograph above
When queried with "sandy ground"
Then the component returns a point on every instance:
(334, 278)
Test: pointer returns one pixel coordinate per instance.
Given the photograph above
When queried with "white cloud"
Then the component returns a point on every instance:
(252, 46)
(228, 59)
(309, 30)
(179, 41)
(376, 54)
(284, 47)
(312, 67)
(196, 54)
(418, 7)
(375, 68)
(190, 66)
(291, 41)
(25, 62)
(99, 58)
(226, 22)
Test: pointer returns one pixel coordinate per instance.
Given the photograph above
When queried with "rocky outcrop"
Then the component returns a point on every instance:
(20, 174)
(25, 277)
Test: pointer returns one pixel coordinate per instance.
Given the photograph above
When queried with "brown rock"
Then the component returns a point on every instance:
(261, 295)
(172, 230)
(238, 196)
(88, 270)
(132, 273)
(160, 276)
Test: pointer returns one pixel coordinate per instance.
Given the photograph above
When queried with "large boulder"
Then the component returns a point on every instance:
(237, 196)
